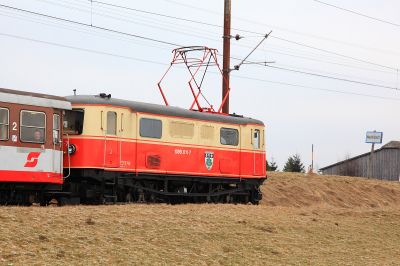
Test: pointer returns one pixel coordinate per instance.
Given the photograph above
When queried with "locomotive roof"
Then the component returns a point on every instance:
(34, 99)
(162, 109)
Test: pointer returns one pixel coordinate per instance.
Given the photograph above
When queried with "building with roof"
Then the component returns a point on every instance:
(385, 164)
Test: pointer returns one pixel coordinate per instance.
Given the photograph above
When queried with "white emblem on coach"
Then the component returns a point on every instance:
(14, 138)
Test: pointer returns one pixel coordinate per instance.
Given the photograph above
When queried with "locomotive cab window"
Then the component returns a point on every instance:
(256, 139)
(33, 126)
(56, 129)
(111, 123)
(150, 128)
(229, 136)
(4, 123)
(73, 121)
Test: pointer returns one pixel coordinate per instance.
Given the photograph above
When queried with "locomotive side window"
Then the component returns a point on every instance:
(256, 139)
(181, 130)
(56, 129)
(111, 123)
(150, 128)
(229, 136)
(73, 122)
(4, 123)
(33, 126)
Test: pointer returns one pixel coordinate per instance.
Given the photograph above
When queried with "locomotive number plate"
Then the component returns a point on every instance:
(183, 152)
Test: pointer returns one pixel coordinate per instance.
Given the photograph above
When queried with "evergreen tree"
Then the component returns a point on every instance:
(272, 166)
(294, 164)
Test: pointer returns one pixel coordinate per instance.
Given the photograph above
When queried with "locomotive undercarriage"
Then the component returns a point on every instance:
(91, 186)
(25, 194)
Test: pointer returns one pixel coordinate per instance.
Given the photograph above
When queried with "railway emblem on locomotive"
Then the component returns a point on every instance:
(209, 159)
(32, 159)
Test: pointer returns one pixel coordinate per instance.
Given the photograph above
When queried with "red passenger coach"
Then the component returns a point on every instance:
(121, 150)
(30, 145)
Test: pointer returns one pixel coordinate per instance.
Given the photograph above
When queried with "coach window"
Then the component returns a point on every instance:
(181, 130)
(111, 123)
(150, 128)
(256, 139)
(56, 129)
(229, 136)
(33, 126)
(4, 123)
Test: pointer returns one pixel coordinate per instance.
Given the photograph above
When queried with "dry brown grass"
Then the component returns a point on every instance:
(313, 229)
(301, 190)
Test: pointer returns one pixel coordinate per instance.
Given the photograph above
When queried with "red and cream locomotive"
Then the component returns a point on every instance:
(120, 150)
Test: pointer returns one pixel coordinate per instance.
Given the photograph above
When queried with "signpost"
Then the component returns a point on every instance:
(372, 137)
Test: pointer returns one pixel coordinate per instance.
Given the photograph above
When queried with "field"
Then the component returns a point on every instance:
(302, 220)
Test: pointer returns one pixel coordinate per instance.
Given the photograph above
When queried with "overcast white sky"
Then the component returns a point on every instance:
(296, 116)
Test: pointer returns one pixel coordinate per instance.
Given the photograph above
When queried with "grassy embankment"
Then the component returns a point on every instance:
(301, 220)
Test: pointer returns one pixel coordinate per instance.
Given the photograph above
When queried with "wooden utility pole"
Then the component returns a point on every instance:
(226, 56)
(312, 158)
(371, 162)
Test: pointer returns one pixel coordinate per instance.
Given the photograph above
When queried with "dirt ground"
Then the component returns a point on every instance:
(302, 220)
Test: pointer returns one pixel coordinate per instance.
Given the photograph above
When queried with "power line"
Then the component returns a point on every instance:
(82, 49)
(319, 75)
(188, 20)
(272, 36)
(283, 29)
(156, 14)
(252, 32)
(173, 44)
(120, 18)
(335, 53)
(81, 30)
(160, 63)
(327, 61)
(332, 77)
(319, 89)
(336, 74)
(358, 13)
(88, 25)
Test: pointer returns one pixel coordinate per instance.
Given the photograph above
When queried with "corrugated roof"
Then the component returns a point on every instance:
(390, 145)
(162, 109)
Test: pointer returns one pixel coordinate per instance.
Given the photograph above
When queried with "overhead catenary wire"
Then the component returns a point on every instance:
(88, 25)
(82, 49)
(164, 64)
(88, 31)
(316, 88)
(219, 26)
(283, 29)
(136, 21)
(358, 13)
(331, 77)
(335, 53)
(253, 32)
(265, 64)
(176, 45)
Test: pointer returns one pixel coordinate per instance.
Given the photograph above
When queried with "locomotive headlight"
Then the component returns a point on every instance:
(71, 149)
